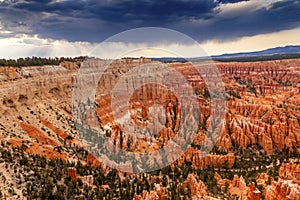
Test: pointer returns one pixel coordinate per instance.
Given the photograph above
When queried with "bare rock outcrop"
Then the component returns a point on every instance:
(287, 187)
(290, 171)
(158, 193)
(87, 180)
(198, 188)
(262, 109)
(263, 98)
(8, 74)
(263, 179)
(262, 105)
(282, 190)
(72, 173)
(237, 186)
(203, 160)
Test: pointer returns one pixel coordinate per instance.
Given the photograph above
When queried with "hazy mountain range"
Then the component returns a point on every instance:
(273, 53)
(267, 52)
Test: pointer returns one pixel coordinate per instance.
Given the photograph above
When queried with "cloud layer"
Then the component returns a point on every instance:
(95, 20)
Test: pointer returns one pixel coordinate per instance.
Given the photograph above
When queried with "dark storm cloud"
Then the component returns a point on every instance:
(123, 11)
(230, 1)
(154, 11)
(280, 16)
(95, 20)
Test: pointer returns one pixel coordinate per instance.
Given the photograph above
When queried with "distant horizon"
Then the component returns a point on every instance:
(161, 57)
(139, 56)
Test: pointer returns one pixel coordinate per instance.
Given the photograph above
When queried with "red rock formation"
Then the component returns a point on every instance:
(266, 114)
(105, 187)
(72, 173)
(282, 190)
(198, 188)
(93, 161)
(201, 160)
(8, 74)
(53, 128)
(88, 180)
(38, 134)
(262, 118)
(47, 151)
(158, 193)
(253, 193)
(238, 187)
(258, 118)
(290, 171)
(263, 179)
(287, 186)
(70, 65)
(15, 142)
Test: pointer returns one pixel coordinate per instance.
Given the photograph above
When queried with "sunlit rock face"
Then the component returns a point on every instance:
(238, 187)
(262, 113)
(287, 186)
(264, 105)
(262, 108)
(198, 188)
(158, 193)
(35, 107)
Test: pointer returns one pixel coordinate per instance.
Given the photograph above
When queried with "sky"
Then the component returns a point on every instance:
(76, 27)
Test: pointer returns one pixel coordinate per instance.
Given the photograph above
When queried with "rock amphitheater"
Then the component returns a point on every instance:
(262, 111)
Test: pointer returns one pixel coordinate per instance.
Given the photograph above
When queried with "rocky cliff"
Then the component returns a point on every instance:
(198, 188)
(158, 193)
(262, 106)
(262, 113)
(287, 186)
(238, 187)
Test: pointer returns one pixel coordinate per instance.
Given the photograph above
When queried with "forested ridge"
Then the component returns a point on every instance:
(37, 61)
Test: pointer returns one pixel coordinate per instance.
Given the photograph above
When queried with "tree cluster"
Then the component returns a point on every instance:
(37, 61)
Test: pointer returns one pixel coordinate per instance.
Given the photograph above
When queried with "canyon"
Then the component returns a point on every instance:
(262, 114)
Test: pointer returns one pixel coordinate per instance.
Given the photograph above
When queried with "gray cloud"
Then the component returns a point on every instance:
(95, 20)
